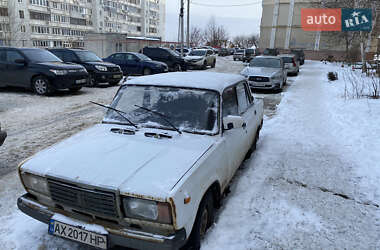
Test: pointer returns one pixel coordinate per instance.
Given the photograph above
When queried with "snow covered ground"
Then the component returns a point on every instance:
(313, 182)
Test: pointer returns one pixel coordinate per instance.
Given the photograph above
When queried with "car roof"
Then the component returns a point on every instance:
(202, 80)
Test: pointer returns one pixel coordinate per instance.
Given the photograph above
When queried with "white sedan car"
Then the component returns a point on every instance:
(201, 58)
(151, 175)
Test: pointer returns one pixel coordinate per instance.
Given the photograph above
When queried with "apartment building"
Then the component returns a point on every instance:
(64, 23)
(281, 28)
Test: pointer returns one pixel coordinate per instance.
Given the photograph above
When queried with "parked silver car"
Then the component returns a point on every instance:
(201, 58)
(266, 72)
(239, 55)
(292, 65)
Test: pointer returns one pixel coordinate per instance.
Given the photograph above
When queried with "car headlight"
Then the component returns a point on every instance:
(147, 210)
(101, 68)
(35, 183)
(59, 72)
(276, 77)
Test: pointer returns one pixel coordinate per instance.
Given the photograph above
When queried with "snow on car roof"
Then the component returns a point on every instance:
(204, 80)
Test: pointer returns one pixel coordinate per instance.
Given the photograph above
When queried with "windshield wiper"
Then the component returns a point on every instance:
(162, 116)
(119, 112)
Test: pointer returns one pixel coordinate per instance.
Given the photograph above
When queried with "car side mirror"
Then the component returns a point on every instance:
(232, 122)
(20, 61)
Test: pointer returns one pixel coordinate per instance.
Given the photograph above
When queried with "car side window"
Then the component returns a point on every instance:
(58, 54)
(242, 97)
(130, 57)
(118, 57)
(69, 56)
(248, 92)
(230, 104)
(13, 55)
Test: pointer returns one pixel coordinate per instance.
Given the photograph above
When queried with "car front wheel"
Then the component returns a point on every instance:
(177, 68)
(41, 85)
(205, 218)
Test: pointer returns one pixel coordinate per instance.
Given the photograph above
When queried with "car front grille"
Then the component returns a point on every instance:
(258, 79)
(92, 201)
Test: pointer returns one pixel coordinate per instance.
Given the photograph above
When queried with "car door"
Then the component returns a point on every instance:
(209, 57)
(232, 138)
(248, 113)
(69, 57)
(16, 73)
(133, 64)
(120, 59)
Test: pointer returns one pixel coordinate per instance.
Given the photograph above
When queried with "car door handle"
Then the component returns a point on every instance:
(255, 112)
(244, 125)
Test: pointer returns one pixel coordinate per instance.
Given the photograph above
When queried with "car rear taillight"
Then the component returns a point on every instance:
(294, 63)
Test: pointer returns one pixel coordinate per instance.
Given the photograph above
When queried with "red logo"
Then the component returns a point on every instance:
(321, 19)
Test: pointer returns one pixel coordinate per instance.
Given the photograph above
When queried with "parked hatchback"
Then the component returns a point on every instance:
(99, 71)
(137, 64)
(238, 55)
(174, 61)
(292, 65)
(39, 70)
(271, 52)
(300, 54)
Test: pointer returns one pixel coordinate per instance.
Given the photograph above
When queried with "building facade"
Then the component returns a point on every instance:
(281, 28)
(65, 23)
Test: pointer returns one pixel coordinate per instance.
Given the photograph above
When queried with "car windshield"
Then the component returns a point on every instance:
(87, 56)
(197, 53)
(250, 51)
(265, 62)
(190, 110)
(37, 55)
(143, 57)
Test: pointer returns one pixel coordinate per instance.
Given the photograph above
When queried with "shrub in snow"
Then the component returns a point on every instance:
(358, 85)
(332, 76)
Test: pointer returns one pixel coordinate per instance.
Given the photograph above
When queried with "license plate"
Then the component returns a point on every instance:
(117, 76)
(76, 234)
(80, 81)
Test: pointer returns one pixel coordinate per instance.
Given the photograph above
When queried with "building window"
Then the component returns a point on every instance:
(22, 28)
(21, 14)
(3, 11)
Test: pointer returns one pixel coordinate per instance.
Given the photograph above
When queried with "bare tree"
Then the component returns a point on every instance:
(215, 35)
(246, 41)
(196, 36)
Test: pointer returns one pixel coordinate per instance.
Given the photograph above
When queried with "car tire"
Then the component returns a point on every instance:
(205, 218)
(92, 82)
(254, 144)
(234, 59)
(75, 89)
(204, 66)
(213, 64)
(147, 71)
(41, 85)
(177, 68)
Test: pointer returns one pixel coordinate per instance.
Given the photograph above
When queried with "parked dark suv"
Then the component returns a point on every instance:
(137, 64)
(3, 135)
(98, 70)
(271, 52)
(168, 56)
(300, 54)
(39, 70)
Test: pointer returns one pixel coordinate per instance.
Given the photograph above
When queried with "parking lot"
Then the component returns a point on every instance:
(312, 182)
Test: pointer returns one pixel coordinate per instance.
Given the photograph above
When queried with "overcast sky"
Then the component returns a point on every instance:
(237, 20)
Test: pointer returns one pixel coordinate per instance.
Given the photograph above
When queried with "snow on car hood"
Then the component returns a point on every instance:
(260, 71)
(133, 164)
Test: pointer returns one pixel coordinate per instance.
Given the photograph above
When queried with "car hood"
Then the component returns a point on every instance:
(132, 164)
(60, 65)
(260, 71)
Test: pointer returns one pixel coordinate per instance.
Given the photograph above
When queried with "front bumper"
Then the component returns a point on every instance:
(3, 135)
(101, 77)
(116, 237)
(191, 64)
(68, 81)
(264, 85)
